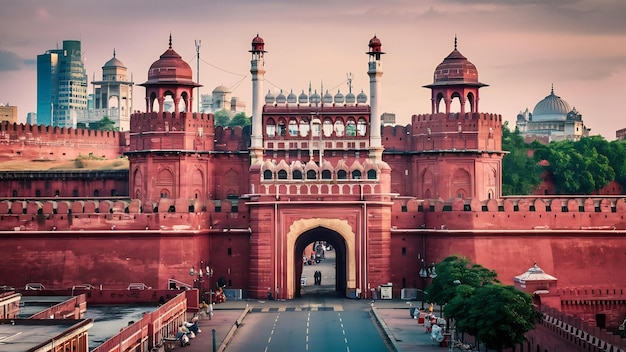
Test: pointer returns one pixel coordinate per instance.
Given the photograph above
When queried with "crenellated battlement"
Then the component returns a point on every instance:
(470, 131)
(168, 131)
(171, 122)
(85, 214)
(28, 142)
(396, 138)
(539, 213)
(24, 132)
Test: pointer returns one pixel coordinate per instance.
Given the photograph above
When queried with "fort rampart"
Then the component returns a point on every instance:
(40, 142)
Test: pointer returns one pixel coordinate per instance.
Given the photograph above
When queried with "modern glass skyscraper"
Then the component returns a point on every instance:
(61, 85)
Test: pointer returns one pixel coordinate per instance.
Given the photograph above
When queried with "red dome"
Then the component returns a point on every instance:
(258, 45)
(455, 67)
(257, 40)
(170, 67)
(375, 44)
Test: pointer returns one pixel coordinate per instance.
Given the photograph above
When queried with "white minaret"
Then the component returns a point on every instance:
(257, 69)
(375, 72)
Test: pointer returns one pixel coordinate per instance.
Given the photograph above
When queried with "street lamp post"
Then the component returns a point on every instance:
(425, 272)
(202, 271)
(423, 275)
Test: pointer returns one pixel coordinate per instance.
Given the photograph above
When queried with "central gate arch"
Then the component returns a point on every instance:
(339, 234)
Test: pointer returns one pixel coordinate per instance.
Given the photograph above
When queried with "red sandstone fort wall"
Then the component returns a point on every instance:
(396, 138)
(480, 131)
(232, 138)
(170, 131)
(64, 184)
(34, 142)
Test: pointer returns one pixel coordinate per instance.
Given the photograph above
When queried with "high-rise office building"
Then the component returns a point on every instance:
(61, 85)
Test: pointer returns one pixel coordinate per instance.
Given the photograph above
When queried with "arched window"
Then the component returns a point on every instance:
(317, 127)
(56, 193)
(96, 193)
(75, 193)
(342, 175)
(267, 174)
(270, 128)
(14, 193)
(351, 128)
(304, 128)
(326, 175)
(311, 175)
(37, 193)
(297, 175)
(362, 127)
(339, 128)
(282, 130)
(328, 127)
(356, 175)
(293, 128)
(113, 193)
(371, 174)
(282, 174)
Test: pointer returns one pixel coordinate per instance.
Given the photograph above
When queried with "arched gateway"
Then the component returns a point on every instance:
(336, 232)
(310, 181)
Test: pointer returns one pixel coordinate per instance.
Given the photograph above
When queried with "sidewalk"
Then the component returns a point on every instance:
(403, 332)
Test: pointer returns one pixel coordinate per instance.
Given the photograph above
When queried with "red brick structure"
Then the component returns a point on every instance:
(246, 202)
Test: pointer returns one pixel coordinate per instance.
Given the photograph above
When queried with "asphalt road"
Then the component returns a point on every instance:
(324, 327)
(319, 321)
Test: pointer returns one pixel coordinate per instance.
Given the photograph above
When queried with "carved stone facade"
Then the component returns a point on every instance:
(248, 201)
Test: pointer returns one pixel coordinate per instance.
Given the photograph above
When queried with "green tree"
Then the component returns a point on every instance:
(578, 167)
(480, 305)
(496, 315)
(240, 119)
(105, 124)
(222, 118)
(521, 174)
(452, 270)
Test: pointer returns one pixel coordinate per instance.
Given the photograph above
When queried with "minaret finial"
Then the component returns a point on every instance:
(455, 41)
(170, 40)
(552, 89)
(113, 52)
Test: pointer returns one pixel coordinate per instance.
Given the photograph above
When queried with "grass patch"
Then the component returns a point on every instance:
(81, 163)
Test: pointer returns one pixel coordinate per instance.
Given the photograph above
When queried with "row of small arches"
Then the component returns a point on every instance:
(339, 128)
(313, 175)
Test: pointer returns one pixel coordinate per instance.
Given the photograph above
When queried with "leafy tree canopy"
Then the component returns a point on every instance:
(496, 315)
(454, 270)
(480, 305)
(105, 124)
(521, 174)
(222, 118)
(240, 119)
(582, 167)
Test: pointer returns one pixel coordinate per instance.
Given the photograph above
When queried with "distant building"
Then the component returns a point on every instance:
(8, 113)
(221, 99)
(112, 97)
(61, 85)
(552, 119)
(621, 134)
(388, 119)
(31, 118)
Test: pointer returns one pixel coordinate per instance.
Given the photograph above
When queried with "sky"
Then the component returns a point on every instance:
(520, 48)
